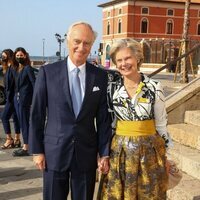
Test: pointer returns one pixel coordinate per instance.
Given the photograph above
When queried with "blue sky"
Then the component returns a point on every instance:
(26, 22)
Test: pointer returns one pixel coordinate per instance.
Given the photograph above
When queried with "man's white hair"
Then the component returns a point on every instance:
(81, 23)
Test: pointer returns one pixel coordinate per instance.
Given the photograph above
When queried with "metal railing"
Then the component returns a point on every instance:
(195, 47)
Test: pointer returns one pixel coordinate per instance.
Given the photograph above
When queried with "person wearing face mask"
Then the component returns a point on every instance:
(24, 85)
(138, 165)
(9, 110)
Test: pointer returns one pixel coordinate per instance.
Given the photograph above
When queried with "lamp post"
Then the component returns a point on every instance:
(43, 46)
(64, 52)
(59, 40)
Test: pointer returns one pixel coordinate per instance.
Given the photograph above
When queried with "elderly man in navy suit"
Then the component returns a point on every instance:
(70, 125)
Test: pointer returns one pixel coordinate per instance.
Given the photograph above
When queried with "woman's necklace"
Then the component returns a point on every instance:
(130, 88)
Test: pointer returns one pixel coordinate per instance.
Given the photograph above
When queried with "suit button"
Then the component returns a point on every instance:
(73, 140)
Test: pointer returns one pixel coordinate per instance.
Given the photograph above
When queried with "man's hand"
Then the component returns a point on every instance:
(39, 161)
(103, 165)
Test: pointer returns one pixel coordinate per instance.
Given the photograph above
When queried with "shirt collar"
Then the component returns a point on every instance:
(71, 66)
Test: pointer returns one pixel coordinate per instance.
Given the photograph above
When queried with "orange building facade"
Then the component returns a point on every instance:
(157, 24)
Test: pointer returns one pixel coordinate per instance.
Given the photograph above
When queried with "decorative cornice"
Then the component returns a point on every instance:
(114, 2)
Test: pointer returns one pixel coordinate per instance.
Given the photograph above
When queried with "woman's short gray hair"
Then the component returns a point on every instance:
(81, 23)
(132, 44)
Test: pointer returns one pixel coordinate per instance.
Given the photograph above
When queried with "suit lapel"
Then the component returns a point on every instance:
(20, 78)
(90, 77)
(7, 79)
(64, 81)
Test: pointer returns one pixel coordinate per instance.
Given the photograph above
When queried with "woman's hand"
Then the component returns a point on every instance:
(103, 165)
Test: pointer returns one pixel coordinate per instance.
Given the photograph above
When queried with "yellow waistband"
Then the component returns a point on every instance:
(135, 128)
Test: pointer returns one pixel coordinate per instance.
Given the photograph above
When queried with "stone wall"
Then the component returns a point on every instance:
(187, 98)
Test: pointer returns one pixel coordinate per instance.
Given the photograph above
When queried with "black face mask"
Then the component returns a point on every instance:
(20, 60)
(4, 59)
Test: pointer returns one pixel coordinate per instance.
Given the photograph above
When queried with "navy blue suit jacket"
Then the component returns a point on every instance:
(64, 134)
(25, 85)
(9, 84)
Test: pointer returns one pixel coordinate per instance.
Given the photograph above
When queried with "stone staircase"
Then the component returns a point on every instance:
(186, 152)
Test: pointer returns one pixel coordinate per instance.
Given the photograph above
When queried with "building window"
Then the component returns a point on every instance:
(109, 14)
(198, 29)
(169, 27)
(144, 25)
(170, 12)
(145, 10)
(119, 26)
(120, 11)
(108, 28)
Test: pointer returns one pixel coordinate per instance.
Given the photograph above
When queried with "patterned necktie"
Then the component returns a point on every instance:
(76, 91)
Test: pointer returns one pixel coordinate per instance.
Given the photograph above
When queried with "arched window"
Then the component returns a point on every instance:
(120, 11)
(144, 25)
(119, 26)
(107, 61)
(108, 28)
(169, 27)
(108, 52)
(198, 29)
(145, 10)
(170, 12)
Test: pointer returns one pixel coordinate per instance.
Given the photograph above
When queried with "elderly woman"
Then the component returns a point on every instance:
(138, 148)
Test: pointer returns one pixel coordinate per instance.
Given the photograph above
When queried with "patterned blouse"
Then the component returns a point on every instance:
(148, 103)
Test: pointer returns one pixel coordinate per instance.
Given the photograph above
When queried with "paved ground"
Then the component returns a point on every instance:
(20, 180)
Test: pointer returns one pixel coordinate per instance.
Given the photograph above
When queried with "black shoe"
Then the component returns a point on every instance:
(20, 152)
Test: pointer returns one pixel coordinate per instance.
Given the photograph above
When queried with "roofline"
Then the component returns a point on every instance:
(112, 2)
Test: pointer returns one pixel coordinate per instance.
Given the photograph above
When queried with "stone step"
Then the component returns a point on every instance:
(186, 158)
(186, 134)
(187, 189)
(192, 117)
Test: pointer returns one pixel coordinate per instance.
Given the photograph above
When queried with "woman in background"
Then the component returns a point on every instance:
(24, 84)
(9, 109)
(138, 148)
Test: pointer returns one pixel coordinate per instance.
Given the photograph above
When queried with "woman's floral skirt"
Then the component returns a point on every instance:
(137, 169)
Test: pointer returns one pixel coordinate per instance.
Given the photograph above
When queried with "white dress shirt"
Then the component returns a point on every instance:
(82, 75)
